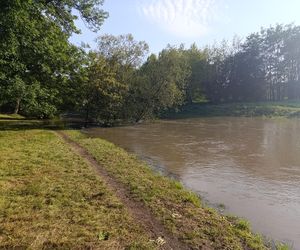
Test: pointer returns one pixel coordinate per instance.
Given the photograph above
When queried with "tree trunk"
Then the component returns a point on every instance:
(142, 114)
(87, 116)
(86, 119)
(17, 107)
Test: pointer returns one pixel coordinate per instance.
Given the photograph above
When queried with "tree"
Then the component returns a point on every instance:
(160, 85)
(197, 60)
(247, 78)
(124, 53)
(102, 95)
(122, 49)
(291, 53)
(111, 72)
(35, 52)
(265, 66)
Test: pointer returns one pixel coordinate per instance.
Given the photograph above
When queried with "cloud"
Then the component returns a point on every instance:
(183, 18)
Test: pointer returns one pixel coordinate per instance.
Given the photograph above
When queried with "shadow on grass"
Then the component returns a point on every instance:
(17, 125)
(11, 119)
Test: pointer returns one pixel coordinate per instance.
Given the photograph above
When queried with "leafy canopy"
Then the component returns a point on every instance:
(37, 62)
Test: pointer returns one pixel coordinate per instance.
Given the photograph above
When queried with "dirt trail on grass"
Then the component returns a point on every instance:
(137, 209)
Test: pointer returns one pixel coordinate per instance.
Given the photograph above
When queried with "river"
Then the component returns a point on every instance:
(250, 165)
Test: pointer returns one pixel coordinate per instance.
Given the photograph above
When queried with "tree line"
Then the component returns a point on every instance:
(42, 74)
(263, 67)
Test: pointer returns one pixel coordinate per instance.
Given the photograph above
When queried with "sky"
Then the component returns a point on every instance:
(162, 22)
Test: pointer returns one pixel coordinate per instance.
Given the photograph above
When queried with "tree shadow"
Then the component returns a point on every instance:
(18, 125)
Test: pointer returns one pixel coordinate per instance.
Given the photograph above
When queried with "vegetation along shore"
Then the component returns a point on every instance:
(283, 109)
(61, 189)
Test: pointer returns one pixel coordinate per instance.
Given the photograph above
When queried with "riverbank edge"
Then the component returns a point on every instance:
(178, 209)
(282, 109)
(238, 235)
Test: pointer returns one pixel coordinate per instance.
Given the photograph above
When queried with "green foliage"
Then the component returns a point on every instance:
(122, 49)
(242, 224)
(103, 92)
(267, 109)
(109, 74)
(37, 62)
(39, 102)
(264, 67)
(197, 60)
(42, 74)
(103, 235)
(119, 88)
(160, 84)
(281, 246)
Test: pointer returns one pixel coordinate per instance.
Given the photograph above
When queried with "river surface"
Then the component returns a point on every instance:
(251, 165)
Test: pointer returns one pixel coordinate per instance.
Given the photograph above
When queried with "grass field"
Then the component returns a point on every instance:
(51, 198)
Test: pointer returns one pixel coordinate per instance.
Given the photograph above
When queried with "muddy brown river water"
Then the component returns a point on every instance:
(251, 165)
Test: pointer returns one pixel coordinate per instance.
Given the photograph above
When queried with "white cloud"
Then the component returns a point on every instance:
(183, 18)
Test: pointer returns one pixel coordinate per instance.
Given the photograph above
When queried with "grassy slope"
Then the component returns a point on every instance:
(50, 198)
(178, 209)
(268, 109)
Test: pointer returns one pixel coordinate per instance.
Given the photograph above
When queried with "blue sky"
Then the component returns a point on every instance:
(159, 22)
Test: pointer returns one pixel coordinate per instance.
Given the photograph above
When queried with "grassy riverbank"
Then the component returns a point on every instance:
(51, 197)
(267, 109)
(179, 210)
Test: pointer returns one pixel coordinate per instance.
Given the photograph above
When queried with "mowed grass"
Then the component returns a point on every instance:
(178, 209)
(50, 198)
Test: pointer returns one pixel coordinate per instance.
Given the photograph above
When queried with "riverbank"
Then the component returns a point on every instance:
(179, 210)
(286, 109)
(52, 196)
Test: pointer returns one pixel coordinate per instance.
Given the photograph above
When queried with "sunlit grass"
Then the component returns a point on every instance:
(180, 210)
(51, 198)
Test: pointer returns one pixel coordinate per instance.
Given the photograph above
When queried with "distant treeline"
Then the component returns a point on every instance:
(263, 67)
(42, 74)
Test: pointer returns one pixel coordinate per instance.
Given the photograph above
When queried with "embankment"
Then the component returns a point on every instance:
(69, 191)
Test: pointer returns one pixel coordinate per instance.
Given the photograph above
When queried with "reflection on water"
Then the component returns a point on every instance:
(250, 165)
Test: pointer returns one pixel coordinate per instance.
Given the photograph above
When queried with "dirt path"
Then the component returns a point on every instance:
(137, 209)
